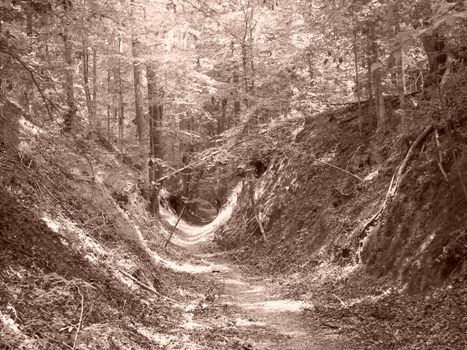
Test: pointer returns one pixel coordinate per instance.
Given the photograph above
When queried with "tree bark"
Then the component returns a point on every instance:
(121, 107)
(370, 83)
(361, 120)
(109, 105)
(94, 85)
(155, 128)
(221, 118)
(236, 105)
(377, 79)
(29, 33)
(87, 90)
(70, 115)
(139, 90)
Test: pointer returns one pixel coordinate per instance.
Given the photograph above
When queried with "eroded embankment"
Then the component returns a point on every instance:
(356, 244)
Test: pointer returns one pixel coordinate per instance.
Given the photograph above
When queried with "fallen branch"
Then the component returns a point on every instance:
(342, 303)
(168, 176)
(175, 227)
(80, 318)
(145, 286)
(336, 167)
(353, 155)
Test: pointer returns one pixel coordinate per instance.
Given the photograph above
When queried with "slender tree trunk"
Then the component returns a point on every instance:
(138, 72)
(109, 106)
(155, 126)
(370, 84)
(121, 107)
(251, 52)
(361, 120)
(139, 90)
(245, 71)
(70, 115)
(94, 86)
(29, 33)
(221, 118)
(377, 73)
(236, 104)
(87, 90)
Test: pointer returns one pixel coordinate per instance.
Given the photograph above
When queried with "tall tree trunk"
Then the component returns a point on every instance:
(245, 71)
(377, 79)
(109, 104)
(236, 105)
(70, 115)
(87, 90)
(30, 84)
(139, 91)
(138, 72)
(221, 117)
(361, 120)
(94, 87)
(121, 106)
(155, 126)
(251, 52)
(370, 84)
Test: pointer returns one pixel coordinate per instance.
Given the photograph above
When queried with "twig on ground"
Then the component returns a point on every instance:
(145, 286)
(80, 318)
(342, 303)
(338, 168)
(353, 155)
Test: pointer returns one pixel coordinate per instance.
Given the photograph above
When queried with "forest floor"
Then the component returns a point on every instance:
(246, 310)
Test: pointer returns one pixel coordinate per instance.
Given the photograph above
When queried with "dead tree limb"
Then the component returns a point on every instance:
(78, 328)
(338, 168)
(145, 286)
(175, 227)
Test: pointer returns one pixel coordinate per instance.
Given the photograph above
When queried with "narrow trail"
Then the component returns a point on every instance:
(262, 319)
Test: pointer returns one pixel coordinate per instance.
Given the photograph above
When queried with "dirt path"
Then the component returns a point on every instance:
(245, 311)
(278, 321)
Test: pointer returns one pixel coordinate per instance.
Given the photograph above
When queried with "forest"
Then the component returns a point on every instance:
(237, 174)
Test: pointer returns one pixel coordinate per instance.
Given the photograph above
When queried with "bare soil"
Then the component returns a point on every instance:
(247, 310)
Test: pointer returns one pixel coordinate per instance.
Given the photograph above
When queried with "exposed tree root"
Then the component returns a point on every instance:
(398, 176)
(80, 319)
(261, 228)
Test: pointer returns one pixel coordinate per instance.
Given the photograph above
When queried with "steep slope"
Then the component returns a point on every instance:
(81, 260)
(354, 222)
